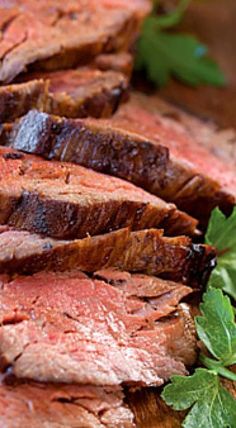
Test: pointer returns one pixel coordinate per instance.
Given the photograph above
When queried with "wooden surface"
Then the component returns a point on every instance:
(215, 23)
(151, 412)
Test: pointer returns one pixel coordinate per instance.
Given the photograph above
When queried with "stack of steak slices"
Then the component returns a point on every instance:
(139, 146)
(96, 270)
(82, 319)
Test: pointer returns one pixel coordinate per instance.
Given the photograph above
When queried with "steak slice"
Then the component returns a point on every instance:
(72, 329)
(197, 180)
(135, 145)
(35, 405)
(83, 92)
(54, 34)
(146, 251)
(67, 201)
(71, 93)
(221, 142)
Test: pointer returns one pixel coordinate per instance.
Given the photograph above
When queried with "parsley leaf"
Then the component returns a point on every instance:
(221, 233)
(217, 328)
(164, 54)
(212, 405)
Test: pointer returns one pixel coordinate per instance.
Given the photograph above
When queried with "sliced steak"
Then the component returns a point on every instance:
(54, 34)
(165, 295)
(147, 251)
(89, 143)
(219, 141)
(72, 329)
(83, 92)
(193, 178)
(197, 180)
(71, 93)
(67, 201)
(35, 405)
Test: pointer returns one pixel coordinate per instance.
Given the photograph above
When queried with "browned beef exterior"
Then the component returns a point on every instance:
(34, 405)
(56, 34)
(134, 145)
(83, 92)
(197, 179)
(86, 143)
(72, 329)
(66, 201)
(5, 133)
(18, 99)
(71, 93)
(146, 251)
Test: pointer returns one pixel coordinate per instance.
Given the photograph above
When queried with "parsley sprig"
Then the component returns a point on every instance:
(211, 405)
(163, 54)
(221, 234)
(217, 330)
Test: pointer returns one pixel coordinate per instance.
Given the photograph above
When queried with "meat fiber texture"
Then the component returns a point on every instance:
(35, 405)
(53, 34)
(146, 251)
(73, 329)
(85, 92)
(68, 201)
(147, 149)
(219, 141)
(72, 93)
(197, 179)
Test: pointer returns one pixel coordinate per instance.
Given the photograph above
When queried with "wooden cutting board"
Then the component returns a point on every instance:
(151, 412)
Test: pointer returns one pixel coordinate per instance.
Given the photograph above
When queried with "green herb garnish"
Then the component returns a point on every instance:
(221, 233)
(211, 404)
(163, 54)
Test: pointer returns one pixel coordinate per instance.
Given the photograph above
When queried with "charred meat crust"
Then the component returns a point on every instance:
(147, 251)
(70, 93)
(158, 165)
(17, 99)
(196, 179)
(66, 201)
(102, 149)
(85, 92)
